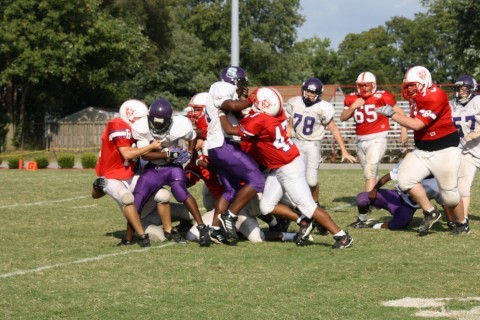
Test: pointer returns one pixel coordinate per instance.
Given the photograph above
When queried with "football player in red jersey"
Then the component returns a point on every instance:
(437, 152)
(371, 128)
(116, 163)
(265, 127)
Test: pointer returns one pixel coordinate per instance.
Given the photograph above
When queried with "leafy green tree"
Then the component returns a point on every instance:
(59, 44)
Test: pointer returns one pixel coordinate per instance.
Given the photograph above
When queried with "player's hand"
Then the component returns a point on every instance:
(348, 157)
(357, 103)
(155, 144)
(372, 195)
(386, 110)
(100, 183)
(202, 161)
(179, 156)
(472, 135)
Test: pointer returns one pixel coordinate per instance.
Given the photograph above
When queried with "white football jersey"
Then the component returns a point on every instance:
(309, 123)
(467, 119)
(180, 129)
(218, 93)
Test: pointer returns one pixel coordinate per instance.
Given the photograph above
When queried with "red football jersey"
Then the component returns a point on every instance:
(268, 142)
(201, 124)
(433, 109)
(111, 164)
(196, 173)
(366, 119)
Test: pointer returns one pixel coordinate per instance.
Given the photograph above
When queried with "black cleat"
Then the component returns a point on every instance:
(428, 221)
(218, 236)
(144, 241)
(281, 226)
(306, 228)
(204, 236)
(461, 228)
(174, 236)
(342, 242)
(228, 223)
(124, 242)
(359, 224)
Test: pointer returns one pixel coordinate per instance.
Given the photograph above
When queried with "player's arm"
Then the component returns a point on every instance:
(235, 105)
(472, 135)
(348, 113)
(403, 132)
(408, 122)
(372, 195)
(129, 153)
(332, 126)
(227, 126)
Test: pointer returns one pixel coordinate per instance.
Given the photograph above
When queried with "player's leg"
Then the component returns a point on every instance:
(466, 175)
(374, 154)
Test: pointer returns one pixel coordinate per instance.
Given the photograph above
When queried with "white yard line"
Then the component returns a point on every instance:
(84, 260)
(41, 202)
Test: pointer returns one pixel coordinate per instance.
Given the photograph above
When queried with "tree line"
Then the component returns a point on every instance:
(58, 57)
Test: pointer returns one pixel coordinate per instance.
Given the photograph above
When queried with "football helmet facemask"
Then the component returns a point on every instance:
(416, 80)
(160, 116)
(366, 84)
(465, 87)
(312, 85)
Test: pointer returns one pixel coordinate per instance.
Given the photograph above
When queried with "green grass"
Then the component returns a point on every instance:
(63, 240)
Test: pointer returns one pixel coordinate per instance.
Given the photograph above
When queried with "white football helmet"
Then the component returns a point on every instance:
(366, 78)
(268, 100)
(416, 80)
(134, 112)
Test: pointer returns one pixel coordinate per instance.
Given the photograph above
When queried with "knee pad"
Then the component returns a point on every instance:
(362, 199)
(126, 198)
(312, 177)
(370, 170)
(451, 197)
(265, 207)
(162, 196)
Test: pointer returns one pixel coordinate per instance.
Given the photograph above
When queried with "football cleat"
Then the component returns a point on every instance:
(342, 242)
(144, 241)
(428, 221)
(124, 242)
(204, 236)
(228, 223)
(218, 236)
(303, 234)
(461, 228)
(359, 224)
(451, 225)
(174, 236)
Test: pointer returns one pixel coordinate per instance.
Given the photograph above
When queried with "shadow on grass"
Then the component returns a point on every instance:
(119, 234)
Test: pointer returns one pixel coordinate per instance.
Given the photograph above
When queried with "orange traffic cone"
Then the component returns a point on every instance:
(20, 164)
(32, 166)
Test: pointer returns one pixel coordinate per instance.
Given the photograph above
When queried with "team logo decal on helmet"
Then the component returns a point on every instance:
(465, 87)
(313, 85)
(267, 100)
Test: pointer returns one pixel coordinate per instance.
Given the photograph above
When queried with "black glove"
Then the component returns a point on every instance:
(100, 183)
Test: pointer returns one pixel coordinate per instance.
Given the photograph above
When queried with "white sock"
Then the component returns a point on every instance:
(340, 233)
(363, 217)
(377, 226)
(232, 214)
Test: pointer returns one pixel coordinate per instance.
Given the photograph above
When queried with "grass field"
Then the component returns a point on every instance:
(58, 262)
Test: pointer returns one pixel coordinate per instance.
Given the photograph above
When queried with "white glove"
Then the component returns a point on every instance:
(386, 110)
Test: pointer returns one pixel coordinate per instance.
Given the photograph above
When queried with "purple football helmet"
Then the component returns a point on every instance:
(313, 85)
(160, 116)
(465, 81)
(236, 76)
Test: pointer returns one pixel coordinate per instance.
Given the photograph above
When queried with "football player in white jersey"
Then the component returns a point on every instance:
(309, 117)
(371, 128)
(466, 117)
(239, 173)
(165, 167)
